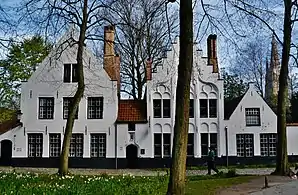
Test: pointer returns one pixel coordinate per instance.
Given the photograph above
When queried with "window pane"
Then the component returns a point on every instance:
(245, 145)
(157, 144)
(35, 144)
(190, 145)
(213, 108)
(98, 145)
(203, 108)
(74, 73)
(268, 144)
(67, 101)
(46, 108)
(95, 108)
(66, 77)
(252, 116)
(213, 141)
(204, 144)
(191, 108)
(157, 108)
(55, 144)
(167, 144)
(76, 145)
(166, 108)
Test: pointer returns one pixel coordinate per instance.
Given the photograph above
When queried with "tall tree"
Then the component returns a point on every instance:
(178, 169)
(52, 17)
(143, 30)
(250, 63)
(233, 86)
(21, 61)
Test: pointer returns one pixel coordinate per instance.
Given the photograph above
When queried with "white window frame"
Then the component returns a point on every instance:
(268, 144)
(252, 117)
(76, 148)
(243, 146)
(208, 107)
(54, 144)
(98, 145)
(35, 145)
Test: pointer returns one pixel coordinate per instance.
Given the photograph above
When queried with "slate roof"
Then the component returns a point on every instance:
(132, 111)
(230, 106)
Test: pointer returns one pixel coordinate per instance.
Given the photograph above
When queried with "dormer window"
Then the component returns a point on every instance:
(70, 73)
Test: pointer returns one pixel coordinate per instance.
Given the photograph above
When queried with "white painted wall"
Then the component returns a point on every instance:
(292, 138)
(47, 81)
(204, 85)
(143, 140)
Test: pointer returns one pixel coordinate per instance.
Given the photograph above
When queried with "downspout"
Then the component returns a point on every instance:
(227, 147)
(116, 145)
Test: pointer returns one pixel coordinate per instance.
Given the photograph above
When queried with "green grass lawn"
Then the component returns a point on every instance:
(23, 184)
(209, 185)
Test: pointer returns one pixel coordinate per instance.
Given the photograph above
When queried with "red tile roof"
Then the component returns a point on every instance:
(132, 111)
(292, 124)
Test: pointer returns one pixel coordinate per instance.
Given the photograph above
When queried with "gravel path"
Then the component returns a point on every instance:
(290, 188)
(136, 172)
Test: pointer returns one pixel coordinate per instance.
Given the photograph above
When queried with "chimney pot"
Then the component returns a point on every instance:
(212, 53)
(149, 69)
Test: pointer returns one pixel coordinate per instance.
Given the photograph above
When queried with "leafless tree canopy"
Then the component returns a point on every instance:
(144, 29)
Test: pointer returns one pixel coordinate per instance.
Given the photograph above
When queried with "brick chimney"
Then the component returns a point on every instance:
(212, 53)
(111, 62)
(149, 70)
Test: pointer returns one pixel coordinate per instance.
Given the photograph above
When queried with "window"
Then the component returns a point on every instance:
(166, 144)
(213, 142)
(191, 108)
(166, 108)
(208, 140)
(70, 73)
(204, 144)
(98, 145)
(131, 127)
(66, 107)
(252, 116)
(95, 107)
(245, 145)
(76, 145)
(55, 144)
(203, 108)
(268, 143)
(190, 145)
(212, 108)
(35, 143)
(157, 144)
(162, 108)
(157, 108)
(46, 108)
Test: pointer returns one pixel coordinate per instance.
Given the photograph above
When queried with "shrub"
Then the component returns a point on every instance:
(231, 173)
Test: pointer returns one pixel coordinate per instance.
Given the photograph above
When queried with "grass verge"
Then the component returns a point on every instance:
(23, 184)
(208, 186)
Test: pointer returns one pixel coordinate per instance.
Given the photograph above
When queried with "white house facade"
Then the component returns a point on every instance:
(113, 133)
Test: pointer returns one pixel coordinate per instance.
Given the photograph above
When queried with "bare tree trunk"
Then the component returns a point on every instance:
(177, 174)
(282, 167)
(63, 168)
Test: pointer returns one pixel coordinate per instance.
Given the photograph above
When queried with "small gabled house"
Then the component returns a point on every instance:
(251, 130)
